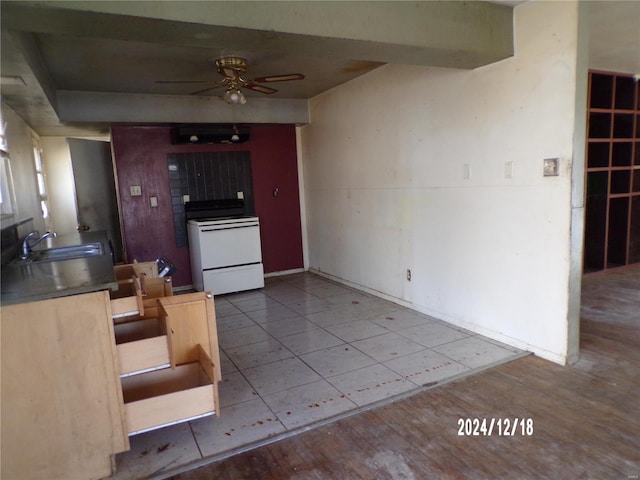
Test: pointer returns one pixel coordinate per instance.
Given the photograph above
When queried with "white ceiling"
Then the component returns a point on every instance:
(99, 65)
(125, 47)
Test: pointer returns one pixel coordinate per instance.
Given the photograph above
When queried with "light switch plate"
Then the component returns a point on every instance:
(551, 167)
(136, 190)
(508, 169)
(240, 195)
(154, 201)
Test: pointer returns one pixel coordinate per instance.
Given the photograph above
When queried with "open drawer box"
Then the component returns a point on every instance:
(165, 363)
(184, 324)
(139, 287)
(165, 397)
(142, 346)
(127, 302)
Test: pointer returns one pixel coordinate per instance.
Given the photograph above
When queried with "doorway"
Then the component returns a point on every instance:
(95, 191)
(89, 161)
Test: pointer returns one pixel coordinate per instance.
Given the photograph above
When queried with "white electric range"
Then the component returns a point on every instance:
(226, 254)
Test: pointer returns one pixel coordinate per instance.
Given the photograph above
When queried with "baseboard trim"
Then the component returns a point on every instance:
(284, 272)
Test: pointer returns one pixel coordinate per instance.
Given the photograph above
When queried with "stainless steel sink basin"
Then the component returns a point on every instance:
(66, 253)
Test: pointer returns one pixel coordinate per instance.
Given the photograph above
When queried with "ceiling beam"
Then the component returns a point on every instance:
(33, 101)
(437, 33)
(104, 107)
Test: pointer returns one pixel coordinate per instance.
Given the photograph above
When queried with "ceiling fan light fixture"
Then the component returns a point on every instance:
(232, 70)
(234, 96)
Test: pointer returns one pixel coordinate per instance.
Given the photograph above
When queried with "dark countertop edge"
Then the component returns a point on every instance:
(8, 299)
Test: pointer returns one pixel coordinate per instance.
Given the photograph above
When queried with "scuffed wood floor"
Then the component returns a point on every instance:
(586, 417)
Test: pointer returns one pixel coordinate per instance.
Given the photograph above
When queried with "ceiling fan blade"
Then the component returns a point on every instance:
(204, 90)
(259, 88)
(280, 78)
(230, 72)
(186, 81)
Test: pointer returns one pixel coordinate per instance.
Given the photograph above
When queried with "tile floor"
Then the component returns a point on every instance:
(302, 350)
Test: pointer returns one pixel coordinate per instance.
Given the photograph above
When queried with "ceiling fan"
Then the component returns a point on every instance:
(233, 69)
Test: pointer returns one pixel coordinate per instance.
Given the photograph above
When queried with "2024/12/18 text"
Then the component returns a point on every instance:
(504, 427)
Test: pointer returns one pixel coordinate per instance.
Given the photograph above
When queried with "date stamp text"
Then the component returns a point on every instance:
(502, 427)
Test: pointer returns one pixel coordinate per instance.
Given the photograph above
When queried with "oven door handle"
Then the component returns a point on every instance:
(204, 230)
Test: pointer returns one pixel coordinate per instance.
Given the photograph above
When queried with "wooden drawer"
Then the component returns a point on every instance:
(191, 324)
(152, 290)
(127, 301)
(135, 269)
(142, 346)
(143, 356)
(137, 295)
(165, 397)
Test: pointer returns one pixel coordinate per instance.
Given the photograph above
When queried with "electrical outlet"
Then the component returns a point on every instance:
(408, 275)
(154, 201)
(466, 171)
(240, 195)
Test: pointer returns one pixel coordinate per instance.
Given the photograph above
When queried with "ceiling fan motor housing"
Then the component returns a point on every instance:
(231, 66)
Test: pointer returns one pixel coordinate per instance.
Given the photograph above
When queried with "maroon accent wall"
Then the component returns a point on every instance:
(140, 156)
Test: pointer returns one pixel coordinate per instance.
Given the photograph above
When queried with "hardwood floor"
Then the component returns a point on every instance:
(586, 417)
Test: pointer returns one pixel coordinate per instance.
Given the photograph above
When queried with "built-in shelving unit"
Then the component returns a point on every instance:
(612, 221)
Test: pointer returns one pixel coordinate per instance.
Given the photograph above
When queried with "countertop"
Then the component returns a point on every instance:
(28, 282)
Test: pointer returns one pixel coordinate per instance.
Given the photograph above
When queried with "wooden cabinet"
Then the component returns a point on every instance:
(168, 396)
(170, 365)
(138, 287)
(167, 350)
(76, 384)
(612, 219)
(62, 409)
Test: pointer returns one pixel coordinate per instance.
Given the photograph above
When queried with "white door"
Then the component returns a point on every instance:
(95, 190)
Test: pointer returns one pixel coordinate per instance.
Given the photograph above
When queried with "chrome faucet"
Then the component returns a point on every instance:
(27, 247)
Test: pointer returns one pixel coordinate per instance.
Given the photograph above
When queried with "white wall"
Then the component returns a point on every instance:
(60, 184)
(383, 167)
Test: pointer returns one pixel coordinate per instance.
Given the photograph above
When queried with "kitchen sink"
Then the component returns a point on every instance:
(66, 253)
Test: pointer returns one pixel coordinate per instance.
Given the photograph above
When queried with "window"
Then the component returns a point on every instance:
(40, 178)
(7, 200)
